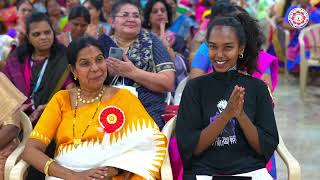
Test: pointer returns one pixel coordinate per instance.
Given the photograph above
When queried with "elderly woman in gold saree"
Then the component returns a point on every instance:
(101, 131)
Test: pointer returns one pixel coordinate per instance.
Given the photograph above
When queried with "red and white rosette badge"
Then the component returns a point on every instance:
(298, 18)
(111, 119)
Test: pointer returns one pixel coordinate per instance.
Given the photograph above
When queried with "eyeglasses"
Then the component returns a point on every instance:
(127, 15)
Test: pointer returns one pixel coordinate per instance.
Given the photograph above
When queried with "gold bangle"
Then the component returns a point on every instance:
(46, 167)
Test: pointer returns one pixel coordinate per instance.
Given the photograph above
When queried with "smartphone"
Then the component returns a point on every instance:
(116, 53)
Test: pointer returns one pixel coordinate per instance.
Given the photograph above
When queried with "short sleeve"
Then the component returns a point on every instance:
(265, 122)
(50, 119)
(161, 56)
(188, 125)
(201, 59)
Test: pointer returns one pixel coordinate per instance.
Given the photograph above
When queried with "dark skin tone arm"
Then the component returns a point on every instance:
(233, 109)
(7, 134)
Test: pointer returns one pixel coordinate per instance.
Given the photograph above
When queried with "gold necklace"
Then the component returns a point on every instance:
(77, 141)
(89, 101)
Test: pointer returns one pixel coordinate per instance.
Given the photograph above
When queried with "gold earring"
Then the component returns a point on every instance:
(74, 77)
(241, 56)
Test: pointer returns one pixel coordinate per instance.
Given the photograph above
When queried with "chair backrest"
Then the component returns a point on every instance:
(179, 90)
(293, 167)
(14, 157)
(166, 170)
(309, 38)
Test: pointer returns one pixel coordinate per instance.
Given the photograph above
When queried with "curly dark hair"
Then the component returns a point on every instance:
(249, 61)
(254, 35)
(251, 26)
(148, 9)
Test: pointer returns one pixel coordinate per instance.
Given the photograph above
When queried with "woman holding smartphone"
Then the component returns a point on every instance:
(146, 64)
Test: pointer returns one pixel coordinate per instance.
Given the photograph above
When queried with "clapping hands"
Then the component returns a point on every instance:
(235, 103)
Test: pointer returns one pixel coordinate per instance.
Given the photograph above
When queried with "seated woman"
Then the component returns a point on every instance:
(24, 9)
(98, 24)
(69, 4)
(39, 67)
(79, 19)
(101, 131)
(226, 123)
(267, 68)
(106, 9)
(157, 19)
(146, 65)
(55, 14)
(182, 24)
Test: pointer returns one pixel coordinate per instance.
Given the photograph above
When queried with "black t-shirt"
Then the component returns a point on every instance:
(206, 97)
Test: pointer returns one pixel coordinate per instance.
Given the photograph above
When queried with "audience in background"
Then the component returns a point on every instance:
(79, 19)
(293, 52)
(38, 67)
(97, 24)
(157, 19)
(55, 14)
(24, 8)
(106, 9)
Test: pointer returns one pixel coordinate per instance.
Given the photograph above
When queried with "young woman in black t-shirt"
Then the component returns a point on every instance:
(226, 123)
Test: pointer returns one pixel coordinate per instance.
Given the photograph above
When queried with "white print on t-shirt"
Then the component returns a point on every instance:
(228, 135)
(222, 105)
(221, 141)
